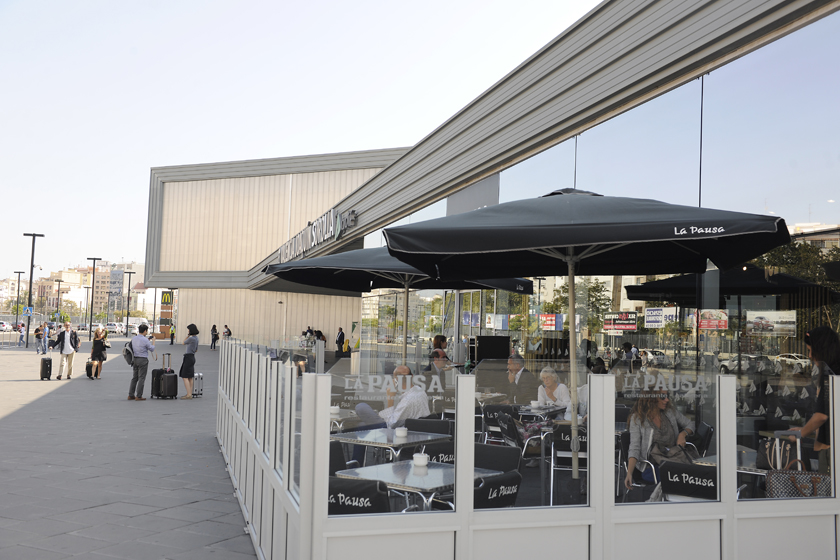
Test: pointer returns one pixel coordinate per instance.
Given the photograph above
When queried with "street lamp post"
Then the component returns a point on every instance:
(93, 295)
(31, 274)
(128, 299)
(87, 295)
(17, 299)
(58, 304)
(108, 309)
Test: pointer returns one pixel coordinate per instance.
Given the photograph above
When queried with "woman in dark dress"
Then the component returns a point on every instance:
(97, 353)
(214, 336)
(187, 372)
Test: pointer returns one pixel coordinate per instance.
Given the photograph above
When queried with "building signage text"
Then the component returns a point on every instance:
(328, 227)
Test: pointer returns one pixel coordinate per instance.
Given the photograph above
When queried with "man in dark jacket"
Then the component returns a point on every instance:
(523, 386)
(68, 344)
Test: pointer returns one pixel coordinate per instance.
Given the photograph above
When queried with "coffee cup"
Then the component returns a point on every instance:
(535, 404)
(401, 432)
(421, 459)
(335, 410)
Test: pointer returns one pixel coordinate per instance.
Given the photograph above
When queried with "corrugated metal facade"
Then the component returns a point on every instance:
(232, 224)
(256, 316)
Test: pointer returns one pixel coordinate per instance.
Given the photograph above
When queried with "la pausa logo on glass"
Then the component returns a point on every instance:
(693, 230)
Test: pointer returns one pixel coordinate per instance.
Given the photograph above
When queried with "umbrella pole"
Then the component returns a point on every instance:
(575, 444)
(405, 328)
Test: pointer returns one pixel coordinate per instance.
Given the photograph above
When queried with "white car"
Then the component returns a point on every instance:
(658, 358)
(790, 361)
(5, 327)
(115, 328)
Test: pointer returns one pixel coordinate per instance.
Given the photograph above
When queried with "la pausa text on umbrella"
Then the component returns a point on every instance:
(693, 230)
(384, 383)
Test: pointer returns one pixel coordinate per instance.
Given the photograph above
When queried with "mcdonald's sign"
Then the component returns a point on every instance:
(166, 298)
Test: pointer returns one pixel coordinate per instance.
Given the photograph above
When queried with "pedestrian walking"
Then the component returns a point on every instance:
(21, 341)
(187, 372)
(39, 337)
(214, 336)
(68, 344)
(46, 340)
(98, 353)
(140, 346)
(172, 335)
(339, 340)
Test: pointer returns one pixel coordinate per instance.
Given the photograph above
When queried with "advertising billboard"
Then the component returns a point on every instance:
(714, 319)
(658, 317)
(771, 323)
(116, 284)
(620, 321)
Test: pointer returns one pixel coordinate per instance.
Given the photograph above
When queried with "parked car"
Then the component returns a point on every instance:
(95, 326)
(658, 358)
(83, 327)
(115, 328)
(5, 327)
(731, 364)
(52, 325)
(762, 324)
(790, 361)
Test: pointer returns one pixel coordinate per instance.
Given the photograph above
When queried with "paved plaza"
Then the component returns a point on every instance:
(87, 474)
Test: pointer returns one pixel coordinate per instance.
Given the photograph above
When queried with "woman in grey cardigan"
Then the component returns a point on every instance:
(653, 420)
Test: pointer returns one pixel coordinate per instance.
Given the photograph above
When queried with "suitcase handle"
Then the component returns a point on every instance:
(166, 362)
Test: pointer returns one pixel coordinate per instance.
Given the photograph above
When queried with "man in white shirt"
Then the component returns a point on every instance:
(413, 403)
(68, 344)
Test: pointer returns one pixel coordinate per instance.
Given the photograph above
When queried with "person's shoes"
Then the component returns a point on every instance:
(59, 378)
(131, 398)
(533, 463)
(68, 378)
(186, 397)
(139, 399)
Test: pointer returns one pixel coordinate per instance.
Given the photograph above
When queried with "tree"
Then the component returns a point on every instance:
(592, 300)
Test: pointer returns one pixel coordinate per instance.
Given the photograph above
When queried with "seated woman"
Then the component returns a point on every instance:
(653, 421)
(552, 392)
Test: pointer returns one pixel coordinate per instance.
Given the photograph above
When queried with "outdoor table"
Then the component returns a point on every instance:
(746, 461)
(426, 481)
(542, 412)
(386, 439)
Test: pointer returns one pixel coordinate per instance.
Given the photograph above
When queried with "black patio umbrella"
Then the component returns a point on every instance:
(748, 280)
(572, 232)
(366, 269)
(832, 269)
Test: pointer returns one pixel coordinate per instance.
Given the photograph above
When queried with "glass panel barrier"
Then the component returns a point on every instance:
(386, 420)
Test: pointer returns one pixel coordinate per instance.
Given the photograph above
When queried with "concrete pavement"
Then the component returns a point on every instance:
(87, 474)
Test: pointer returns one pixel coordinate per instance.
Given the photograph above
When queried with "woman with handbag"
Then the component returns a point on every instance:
(98, 353)
(824, 350)
(657, 430)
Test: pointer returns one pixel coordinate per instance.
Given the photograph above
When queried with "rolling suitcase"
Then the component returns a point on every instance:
(89, 369)
(164, 381)
(46, 367)
(198, 385)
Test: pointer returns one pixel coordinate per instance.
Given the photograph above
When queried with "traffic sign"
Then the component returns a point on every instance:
(27, 312)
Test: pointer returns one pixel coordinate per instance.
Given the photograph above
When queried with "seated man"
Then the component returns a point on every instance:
(523, 386)
(438, 366)
(413, 403)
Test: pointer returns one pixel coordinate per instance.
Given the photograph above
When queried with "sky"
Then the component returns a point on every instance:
(98, 92)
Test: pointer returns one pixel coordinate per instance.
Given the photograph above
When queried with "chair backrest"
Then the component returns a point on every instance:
(497, 491)
(693, 481)
(621, 413)
(443, 452)
(704, 437)
(510, 434)
(337, 460)
(355, 497)
(624, 440)
(429, 426)
(491, 411)
(497, 457)
(563, 438)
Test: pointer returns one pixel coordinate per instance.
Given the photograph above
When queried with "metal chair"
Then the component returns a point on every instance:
(511, 436)
(701, 439)
(562, 452)
(430, 426)
(492, 431)
(498, 491)
(683, 482)
(638, 481)
(497, 457)
(337, 460)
